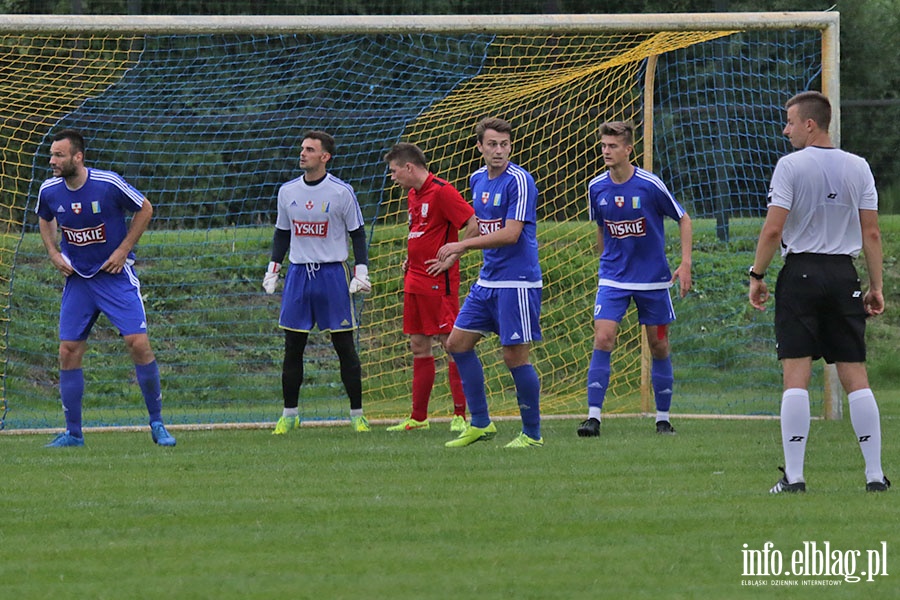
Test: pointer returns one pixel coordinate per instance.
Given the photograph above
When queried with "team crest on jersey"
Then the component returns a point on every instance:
(620, 201)
(635, 202)
(497, 199)
(95, 207)
(309, 205)
(76, 208)
(485, 197)
(424, 210)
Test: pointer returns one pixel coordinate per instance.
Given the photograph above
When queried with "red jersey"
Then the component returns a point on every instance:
(436, 213)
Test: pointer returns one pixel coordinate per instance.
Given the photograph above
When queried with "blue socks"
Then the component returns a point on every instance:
(598, 378)
(148, 380)
(662, 379)
(71, 391)
(528, 394)
(472, 374)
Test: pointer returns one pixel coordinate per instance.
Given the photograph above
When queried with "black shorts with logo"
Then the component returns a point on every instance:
(819, 309)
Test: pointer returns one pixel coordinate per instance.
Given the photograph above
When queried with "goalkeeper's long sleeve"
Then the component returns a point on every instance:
(281, 242)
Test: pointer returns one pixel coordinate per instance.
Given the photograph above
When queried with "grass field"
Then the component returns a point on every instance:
(330, 514)
(326, 513)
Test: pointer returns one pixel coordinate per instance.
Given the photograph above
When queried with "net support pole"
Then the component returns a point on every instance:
(832, 403)
(647, 162)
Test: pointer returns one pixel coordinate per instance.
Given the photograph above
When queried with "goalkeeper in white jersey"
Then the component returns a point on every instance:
(823, 209)
(317, 213)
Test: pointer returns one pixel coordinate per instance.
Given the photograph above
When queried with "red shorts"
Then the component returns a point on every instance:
(429, 315)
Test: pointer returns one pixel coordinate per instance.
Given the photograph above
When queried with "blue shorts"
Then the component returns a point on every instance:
(317, 295)
(116, 296)
(654, 306)
(512, 313)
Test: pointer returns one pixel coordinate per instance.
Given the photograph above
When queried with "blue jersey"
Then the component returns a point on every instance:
(511, 195)
(631, 216)
(91, 218)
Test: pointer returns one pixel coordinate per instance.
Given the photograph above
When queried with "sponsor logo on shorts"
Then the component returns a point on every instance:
(489, 226)
(310, 228)
(624, 229)
(85, 237)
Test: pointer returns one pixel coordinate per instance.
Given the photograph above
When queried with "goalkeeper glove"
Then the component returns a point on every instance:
(360, 282)
(271, 277)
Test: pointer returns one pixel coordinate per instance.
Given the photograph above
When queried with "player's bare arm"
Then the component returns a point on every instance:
(436, 266)
(769, 242)
(505, 236)
(683, 272)
(139, 223)
(873, 253)
(48, 236)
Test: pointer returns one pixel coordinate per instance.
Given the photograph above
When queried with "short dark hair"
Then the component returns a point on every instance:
(622, 129)
(327, 141)
(812, 105)
(75, 138)
(495, 123)
(405, 152)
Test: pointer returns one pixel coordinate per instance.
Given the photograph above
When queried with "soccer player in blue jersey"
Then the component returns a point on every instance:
(317, 215)
(629, 205)
(506, 299)
(95, 254)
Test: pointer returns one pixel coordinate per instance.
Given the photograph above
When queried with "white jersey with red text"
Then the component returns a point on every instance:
(319, 217)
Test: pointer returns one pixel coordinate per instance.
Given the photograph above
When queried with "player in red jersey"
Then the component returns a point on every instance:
(437, 212)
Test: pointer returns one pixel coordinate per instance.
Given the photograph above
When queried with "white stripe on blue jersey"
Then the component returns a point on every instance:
(92, 219)
(512, 195)
(631, 217)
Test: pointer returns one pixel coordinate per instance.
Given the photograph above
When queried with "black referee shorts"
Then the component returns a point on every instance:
(819, 309)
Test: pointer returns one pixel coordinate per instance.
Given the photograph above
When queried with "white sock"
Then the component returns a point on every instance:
(794, 431)
(291, 412)
(594, 412)
(662, 416)
(356, 412)
(867, 424)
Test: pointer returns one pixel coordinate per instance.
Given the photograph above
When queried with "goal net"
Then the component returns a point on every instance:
(204, 118)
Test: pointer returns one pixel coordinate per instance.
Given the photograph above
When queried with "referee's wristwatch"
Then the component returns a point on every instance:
(757, 276)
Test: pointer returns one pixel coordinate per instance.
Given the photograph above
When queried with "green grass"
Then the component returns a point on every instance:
(327, 513)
